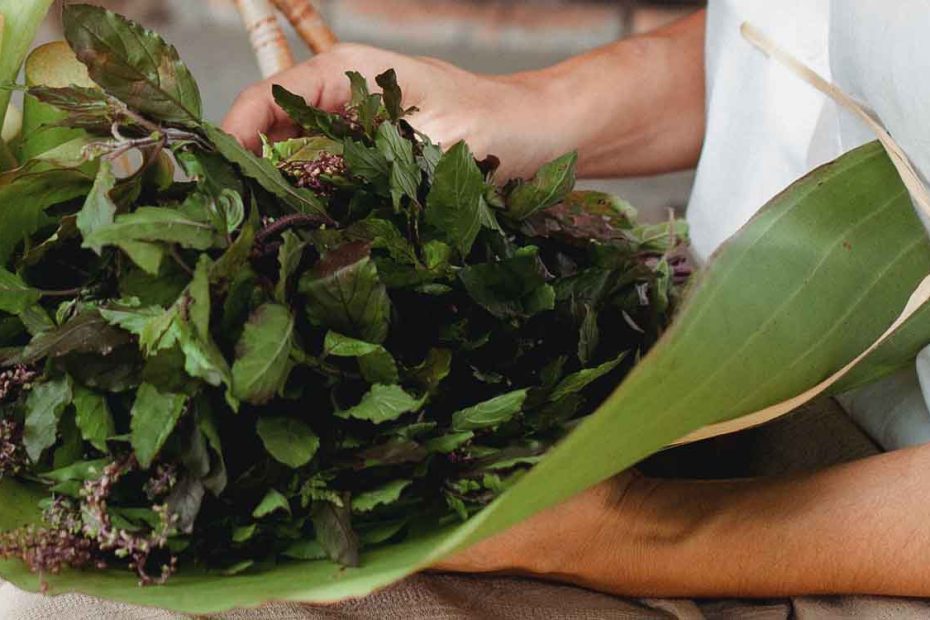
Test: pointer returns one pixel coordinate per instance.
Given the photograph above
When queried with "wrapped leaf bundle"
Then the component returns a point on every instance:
(354, 338)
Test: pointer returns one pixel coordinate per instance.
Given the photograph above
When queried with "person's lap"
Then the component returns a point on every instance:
(816, 436)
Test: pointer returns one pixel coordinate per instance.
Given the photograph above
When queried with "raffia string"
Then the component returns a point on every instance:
(265, 34)
(308, 23)
(914, 184)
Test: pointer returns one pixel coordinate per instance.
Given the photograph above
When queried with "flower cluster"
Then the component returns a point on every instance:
(314, 174)
(123, 544)
(12, 452)
(15, 381)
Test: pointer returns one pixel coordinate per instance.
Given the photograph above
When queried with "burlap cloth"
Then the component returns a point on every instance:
(816, 436)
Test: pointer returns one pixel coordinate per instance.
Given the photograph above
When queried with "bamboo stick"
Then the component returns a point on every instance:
(308, 23)
(265, 34)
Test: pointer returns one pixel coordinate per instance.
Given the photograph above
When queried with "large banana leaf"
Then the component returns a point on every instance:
(803, 289)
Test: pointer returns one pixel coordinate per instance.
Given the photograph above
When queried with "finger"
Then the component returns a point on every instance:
(253, 113)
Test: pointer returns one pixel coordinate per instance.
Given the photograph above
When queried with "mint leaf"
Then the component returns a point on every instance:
(263, 355)
(154, 416)
(133, 64)
(289, 441)
(44, 406)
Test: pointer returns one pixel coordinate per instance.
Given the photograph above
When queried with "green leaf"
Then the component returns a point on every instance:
(311, 119)
(44, 406)
(15, 295)
(391, 93)
(289, 441)
(367, 163)
(588, 335)
(375, 362)
(265, 174)
(88, 332)
(133, 64)
(85, 108)
(345, 294)
(333, 526)
(24, 201)
(405, 174)
(449, 443)
(583, 378)
(382, 496)
(271, 503)
(93, 417)
(99, 210)
(383, 403)
(490, 413)
(513, 287)
(289, 255)
(151, 224)
(551, 185)
(263, 354)
(454, 204)
(154, 416)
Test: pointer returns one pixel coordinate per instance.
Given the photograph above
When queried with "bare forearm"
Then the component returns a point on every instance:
(634, 107)
(860, 528)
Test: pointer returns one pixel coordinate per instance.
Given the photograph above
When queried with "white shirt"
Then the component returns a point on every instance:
(873, 49)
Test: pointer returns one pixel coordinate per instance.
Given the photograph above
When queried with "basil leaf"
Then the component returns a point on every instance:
(405, 174)
(383, 403)
(23, 203)
(44, 406)
(93, 417)
(345, 294)
(583, 378)
(289, 441)
(551, 185)
(15, 295)
(333, 526)
(154, 416)
(490, 413)
(263, 355)
(311, 119)
(271, 503)
(453, 206)
(382, 496)
(133, 64)
(265, 174)
(99, 210)
(152, 224)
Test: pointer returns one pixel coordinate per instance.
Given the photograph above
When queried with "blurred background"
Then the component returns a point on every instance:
(490, 36)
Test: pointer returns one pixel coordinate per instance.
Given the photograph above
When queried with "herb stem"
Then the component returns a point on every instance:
(173, 253)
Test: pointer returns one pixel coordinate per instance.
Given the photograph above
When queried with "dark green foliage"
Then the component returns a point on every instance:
(291, 359)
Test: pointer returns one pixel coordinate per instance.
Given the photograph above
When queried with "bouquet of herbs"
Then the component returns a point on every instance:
(228, 361)
(358, 348)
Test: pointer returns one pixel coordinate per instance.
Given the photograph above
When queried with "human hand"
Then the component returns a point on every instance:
(512, 117)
